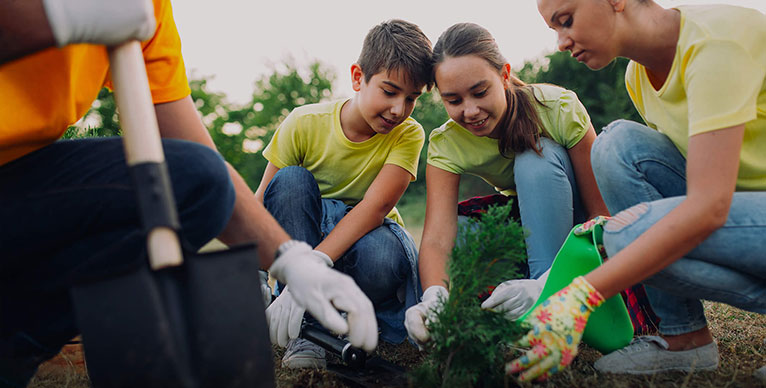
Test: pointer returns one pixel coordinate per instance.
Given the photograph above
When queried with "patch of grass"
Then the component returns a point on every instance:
(740, 337)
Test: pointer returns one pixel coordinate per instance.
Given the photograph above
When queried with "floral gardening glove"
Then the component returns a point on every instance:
(557, 327)
(587, 226)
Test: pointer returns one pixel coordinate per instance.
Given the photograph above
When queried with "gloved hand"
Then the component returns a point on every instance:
(587, 226)
(418, 316)
(107, 22)
(322, 291)
(557, 327)
(285, 318)
(265, 288)
(516, 297)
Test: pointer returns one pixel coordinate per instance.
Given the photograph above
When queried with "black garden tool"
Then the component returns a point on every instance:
(356, 368)
(181, 319)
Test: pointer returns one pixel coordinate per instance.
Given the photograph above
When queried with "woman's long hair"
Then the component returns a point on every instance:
(520, 127)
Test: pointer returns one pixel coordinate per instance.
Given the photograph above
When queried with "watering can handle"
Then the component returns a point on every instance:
(141, 137)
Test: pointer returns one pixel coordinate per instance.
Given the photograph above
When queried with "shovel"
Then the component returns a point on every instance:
(182, 319)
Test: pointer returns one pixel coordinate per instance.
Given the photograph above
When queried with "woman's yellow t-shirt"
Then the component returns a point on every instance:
(717, 80)
(46, 92)
(311, 136)
(454, 149)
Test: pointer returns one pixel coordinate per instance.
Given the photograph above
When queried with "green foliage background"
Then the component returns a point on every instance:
(240, 131)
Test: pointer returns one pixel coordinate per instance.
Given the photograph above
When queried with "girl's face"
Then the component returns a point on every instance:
(586, 28)
(473, 92)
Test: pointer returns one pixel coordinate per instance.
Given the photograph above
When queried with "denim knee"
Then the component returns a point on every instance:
(202, 187)
(289, 185)
(378, 264)
(612, 144)
(529, 166)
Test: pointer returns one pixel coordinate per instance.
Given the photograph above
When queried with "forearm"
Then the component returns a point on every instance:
(432, 264)
(24, 29)
(363, 218)
(251, 221)
(669, 239)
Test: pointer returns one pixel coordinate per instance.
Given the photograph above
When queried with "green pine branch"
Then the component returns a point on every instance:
(469, 346)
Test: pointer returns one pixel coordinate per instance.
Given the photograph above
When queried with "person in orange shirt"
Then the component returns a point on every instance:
(68, 208)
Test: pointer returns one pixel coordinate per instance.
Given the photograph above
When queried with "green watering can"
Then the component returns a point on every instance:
(609, 327)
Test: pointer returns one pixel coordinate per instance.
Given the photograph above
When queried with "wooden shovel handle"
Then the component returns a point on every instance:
(141, 136)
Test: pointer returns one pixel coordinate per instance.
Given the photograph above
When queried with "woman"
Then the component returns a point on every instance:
(532, 141)
(689, 186)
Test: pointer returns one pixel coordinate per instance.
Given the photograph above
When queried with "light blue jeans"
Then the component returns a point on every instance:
(379, 262)
(640, 169)
(549, 202)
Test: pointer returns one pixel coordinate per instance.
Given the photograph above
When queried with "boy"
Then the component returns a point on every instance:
(335, 172)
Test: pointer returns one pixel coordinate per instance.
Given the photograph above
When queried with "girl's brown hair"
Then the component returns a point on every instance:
(520, 126)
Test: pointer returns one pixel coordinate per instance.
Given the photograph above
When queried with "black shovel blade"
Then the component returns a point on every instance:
(228, 324)
(198, 325)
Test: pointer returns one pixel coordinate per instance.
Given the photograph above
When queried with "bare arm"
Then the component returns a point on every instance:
(250, 220)
(440, 228)
(586, 181)
(24, 29)
(368, 214)
(711, 168)
(268, 175)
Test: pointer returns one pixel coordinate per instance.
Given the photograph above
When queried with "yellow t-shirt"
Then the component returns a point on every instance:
(311, 137)
(454, 149)
(716, 81)
(46, 92)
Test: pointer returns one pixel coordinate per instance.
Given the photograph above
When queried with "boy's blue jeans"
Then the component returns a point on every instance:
(549, 202)
(67, 211)
(377, 262)
(640, 169)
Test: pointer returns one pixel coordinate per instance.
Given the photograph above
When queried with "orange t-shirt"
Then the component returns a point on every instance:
(46, 92)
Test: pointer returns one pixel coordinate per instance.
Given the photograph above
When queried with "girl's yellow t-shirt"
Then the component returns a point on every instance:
(46, 92)
(454, 149)
(311, 137)
(717, 80)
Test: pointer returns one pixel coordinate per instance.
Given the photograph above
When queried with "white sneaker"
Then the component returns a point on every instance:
(649, 355)
(302, 353)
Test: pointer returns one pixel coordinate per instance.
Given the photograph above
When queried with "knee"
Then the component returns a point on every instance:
(296, 181)
(379, 260)
(204, 193)
(529, 166)
(613, 144)
(618, 232)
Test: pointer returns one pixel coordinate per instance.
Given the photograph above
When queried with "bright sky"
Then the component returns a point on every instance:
(235, 42)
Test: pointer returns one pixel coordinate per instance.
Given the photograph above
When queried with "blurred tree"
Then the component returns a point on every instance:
(602, 92)
(239, 131)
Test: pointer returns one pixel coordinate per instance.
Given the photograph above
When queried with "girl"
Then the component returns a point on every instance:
(689, 186)
(532, 141)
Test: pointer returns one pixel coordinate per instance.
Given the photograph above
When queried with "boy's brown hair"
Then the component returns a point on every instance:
(397, 45)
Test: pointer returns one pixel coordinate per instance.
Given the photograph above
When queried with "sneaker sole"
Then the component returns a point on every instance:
(668, 369)
(304, 363)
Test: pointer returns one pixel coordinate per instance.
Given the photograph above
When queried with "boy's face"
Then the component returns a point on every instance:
(386, 100)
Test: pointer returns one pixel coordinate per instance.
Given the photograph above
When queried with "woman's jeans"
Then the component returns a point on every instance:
(640, 169)
(549, 202)
(67, 211)
(378, 261)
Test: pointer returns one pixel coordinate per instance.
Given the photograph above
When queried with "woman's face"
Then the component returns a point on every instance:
(586, 28)
(473, 92)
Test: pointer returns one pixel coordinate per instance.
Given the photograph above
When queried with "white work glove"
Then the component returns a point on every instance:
(285, 318)
(420, 315)
(265, 289)
(107, 22)
(515, 297)
(322, 291)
